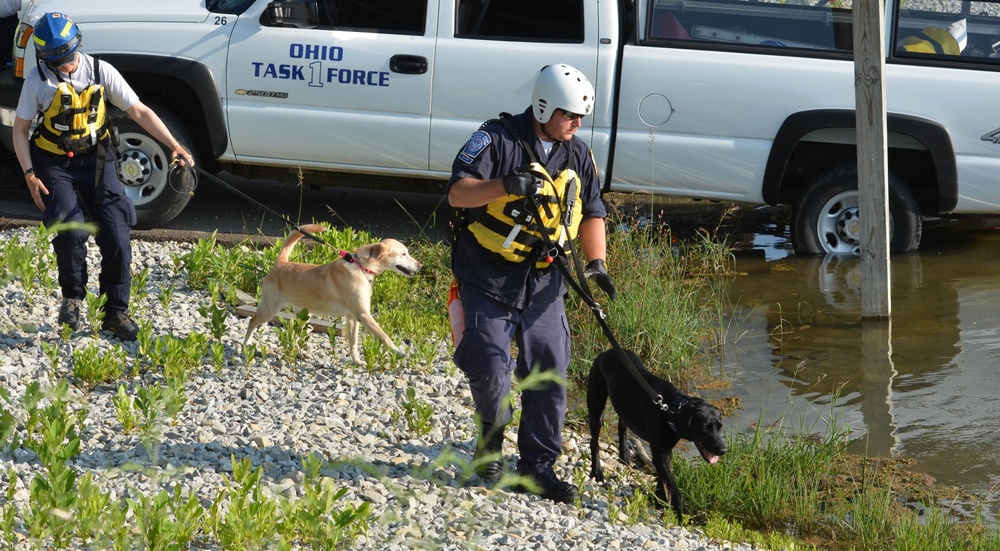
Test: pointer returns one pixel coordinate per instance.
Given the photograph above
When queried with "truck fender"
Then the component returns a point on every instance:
(195, 75)
(931, 135)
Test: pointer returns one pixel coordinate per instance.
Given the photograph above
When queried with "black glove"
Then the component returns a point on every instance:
(595, 271)
(521, 182)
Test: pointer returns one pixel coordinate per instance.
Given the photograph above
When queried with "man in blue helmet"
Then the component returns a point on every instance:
(508, 287)
(68, 163)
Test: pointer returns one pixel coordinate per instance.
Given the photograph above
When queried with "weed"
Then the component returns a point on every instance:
(216, 319)
(125, 410)
(53, 434)
(174, 397)
(293, 335)
(371, 351)
(167, 521)
(417, 413)
(250, 351)
(52, 352)
(247, 522)
(92, 511)
(33, 263)
(93, 365)
(217, 352)
(95, 308)
(165, 296)
(315, 519)
(175, 356)
(138, 287)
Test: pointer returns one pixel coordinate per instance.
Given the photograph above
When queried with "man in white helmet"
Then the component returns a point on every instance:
(509, 289)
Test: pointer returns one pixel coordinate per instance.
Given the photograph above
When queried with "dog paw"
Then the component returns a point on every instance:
(404, 349)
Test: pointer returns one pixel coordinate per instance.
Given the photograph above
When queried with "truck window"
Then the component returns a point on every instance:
(384, 16)
(770, 24)
(949, 31)
(523, 20)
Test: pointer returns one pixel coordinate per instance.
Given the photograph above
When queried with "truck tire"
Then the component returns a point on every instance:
(143, 166)
(826, 216)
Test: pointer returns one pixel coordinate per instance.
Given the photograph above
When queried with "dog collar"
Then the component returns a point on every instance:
(354, 260)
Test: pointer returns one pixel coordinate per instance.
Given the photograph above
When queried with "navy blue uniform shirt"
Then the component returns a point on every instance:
(492, 153)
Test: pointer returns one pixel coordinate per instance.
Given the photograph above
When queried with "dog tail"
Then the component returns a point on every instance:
(294, 238)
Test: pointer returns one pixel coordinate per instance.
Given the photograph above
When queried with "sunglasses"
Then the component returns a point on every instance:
(571, 116)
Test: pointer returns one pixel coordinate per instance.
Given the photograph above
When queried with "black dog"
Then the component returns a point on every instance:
(688, 417)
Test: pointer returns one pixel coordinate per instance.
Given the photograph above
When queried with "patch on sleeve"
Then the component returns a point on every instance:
(476, 144)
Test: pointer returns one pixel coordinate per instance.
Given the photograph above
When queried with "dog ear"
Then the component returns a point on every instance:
(373, 251)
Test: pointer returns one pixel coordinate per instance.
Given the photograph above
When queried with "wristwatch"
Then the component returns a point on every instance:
(29, 172)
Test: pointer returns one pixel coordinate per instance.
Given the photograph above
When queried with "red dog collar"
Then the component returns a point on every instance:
(354, 260)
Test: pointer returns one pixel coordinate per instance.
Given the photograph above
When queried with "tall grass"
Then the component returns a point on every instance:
(665, 304)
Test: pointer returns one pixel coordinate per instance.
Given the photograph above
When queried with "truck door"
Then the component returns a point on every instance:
(488, 54)
(334, 83)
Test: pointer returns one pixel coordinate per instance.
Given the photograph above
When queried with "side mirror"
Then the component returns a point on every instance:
(302, 14)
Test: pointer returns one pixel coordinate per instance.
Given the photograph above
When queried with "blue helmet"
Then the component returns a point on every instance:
(56, 37)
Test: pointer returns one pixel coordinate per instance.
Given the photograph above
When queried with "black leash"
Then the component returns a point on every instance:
(257, 203)
(582, 288)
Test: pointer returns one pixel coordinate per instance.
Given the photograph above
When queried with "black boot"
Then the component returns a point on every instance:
(488, 459)
(547, 485)
(69, 312)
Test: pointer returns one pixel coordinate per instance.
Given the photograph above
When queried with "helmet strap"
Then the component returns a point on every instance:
(545, 131)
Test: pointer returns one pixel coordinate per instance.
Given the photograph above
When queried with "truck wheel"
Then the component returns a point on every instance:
(826, 218)
(143, 166)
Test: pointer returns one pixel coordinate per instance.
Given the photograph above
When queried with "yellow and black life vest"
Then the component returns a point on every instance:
(511, 227)
(74, 122)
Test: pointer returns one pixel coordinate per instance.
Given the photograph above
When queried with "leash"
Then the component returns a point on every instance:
(558, 256)
(249, 199)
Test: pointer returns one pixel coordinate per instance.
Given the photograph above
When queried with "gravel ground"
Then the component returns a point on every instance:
(275, 414)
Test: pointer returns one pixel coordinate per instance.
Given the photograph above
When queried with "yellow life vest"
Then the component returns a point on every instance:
(511, 227)
(73, 122)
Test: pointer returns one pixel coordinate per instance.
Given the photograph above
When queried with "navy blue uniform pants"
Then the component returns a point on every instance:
(541, 332)
(74, 196)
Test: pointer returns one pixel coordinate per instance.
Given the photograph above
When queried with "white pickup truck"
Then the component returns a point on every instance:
(734, 100)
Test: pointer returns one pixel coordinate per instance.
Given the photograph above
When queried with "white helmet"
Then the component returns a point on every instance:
(561, 87)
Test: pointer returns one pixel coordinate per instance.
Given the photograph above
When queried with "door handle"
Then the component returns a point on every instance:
(408, 64)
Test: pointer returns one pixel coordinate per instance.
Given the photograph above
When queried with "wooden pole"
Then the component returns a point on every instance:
(873, 183)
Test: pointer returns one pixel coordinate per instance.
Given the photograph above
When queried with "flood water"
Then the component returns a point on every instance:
(923, 386)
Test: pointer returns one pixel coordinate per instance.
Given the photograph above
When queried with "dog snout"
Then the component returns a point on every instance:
(409, 270)
(720, 447)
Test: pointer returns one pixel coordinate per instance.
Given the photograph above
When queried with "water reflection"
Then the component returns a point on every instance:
(923, 386)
